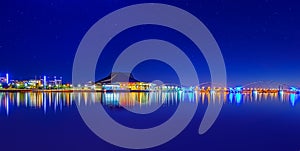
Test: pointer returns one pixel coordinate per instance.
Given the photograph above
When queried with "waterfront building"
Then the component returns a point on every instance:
(33, 84)
(4, 79)
(123, 81)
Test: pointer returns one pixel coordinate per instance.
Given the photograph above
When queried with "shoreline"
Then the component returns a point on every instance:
(69, 90)
(127, 91)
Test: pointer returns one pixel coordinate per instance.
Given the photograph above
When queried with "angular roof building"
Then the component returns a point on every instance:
(117, 77)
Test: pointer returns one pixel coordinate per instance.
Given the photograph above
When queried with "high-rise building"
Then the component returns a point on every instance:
(7, 78)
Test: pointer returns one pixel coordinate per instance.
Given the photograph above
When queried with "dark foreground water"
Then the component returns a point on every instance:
(50, 121)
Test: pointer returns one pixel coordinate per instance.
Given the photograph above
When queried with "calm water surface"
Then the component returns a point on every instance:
(50, 121)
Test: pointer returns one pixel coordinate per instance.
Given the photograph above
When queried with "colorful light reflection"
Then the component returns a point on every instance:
(57, 101)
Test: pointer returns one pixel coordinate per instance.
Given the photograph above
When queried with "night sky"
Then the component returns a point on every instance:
(259, 39)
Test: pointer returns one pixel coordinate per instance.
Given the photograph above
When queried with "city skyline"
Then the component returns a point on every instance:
(119, 81)
(271, 83)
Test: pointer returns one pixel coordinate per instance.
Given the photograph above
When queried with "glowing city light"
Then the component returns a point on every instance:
(7, 78)
(238, 89)
(293, 99)
(45, 81)
(238, 98)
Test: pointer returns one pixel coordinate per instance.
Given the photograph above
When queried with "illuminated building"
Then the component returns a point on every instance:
(123, 81)
(7, 78)
(52, 83)
(294, 90)
(33, 84)
(236, 90)
(4, 79)
(45, 81)
(110, 87)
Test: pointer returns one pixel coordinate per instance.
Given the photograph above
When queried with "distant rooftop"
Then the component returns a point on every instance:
(118, 77)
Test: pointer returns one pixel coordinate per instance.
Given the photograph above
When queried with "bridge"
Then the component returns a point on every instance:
(257, 86)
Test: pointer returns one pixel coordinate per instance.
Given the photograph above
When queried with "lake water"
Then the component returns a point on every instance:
(51, 121)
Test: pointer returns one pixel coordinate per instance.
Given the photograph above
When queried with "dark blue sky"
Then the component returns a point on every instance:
(259, 39)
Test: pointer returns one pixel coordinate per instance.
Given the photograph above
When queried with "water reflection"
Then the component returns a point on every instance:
(293, 98)
(59, 100)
